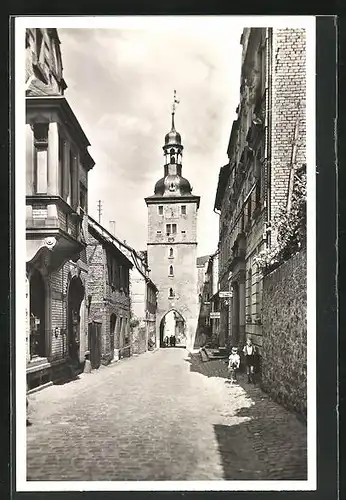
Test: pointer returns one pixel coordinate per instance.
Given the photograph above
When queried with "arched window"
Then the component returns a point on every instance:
(171, 270)
(171, 252)
(171, 293)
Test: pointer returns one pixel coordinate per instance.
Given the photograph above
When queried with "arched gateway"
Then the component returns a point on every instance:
(173, 324)
(172, 240)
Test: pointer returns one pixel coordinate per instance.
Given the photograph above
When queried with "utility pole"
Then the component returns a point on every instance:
(99, 209)
(112, 223)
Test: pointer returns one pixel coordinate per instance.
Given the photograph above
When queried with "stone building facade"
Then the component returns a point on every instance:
(172, 241)
(266, 146)
(204, 295)
(127, 311)
(108, 297)
(57, 166)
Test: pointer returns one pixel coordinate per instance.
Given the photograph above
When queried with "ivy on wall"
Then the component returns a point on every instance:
(290, 226)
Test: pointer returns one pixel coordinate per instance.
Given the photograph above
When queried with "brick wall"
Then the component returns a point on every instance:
(284, 333)
(288, 109)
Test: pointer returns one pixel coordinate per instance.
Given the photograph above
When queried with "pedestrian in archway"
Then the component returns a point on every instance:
(174, 340)
(250, 353)
(166, 341)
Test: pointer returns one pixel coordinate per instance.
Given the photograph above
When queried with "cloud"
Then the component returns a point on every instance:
(120, 85)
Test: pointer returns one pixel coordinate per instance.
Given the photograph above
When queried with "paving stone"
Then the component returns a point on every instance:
(162, 416)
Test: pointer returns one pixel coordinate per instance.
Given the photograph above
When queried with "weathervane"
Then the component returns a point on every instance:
(175, 101)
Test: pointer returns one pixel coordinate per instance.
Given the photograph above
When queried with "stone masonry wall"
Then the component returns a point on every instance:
(284, 334)
(116, 302)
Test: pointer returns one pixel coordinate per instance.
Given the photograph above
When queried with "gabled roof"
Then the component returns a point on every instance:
(132, 255)
(202, 260)
(102, 237)
(221, 187)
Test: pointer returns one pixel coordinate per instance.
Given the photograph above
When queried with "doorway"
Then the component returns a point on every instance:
(75, 297)
(37, 315)
(94, 342)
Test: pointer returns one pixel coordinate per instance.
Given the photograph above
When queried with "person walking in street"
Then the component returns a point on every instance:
(250, 353)
(233, 364)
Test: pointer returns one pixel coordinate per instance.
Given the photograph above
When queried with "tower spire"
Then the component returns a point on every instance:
(175, 102)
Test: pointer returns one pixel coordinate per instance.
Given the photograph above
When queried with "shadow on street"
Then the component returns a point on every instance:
(277, 436)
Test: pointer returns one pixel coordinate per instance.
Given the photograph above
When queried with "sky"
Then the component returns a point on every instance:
(120, 86)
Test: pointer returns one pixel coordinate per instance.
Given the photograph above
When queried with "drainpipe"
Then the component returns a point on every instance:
(268, 129)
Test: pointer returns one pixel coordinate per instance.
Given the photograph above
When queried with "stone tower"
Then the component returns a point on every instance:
(172, 240)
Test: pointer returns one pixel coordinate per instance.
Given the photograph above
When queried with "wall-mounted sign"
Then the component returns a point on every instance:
(215, 315)
(224, 295)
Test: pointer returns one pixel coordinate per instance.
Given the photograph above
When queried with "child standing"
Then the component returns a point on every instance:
(233, 364)
(250, 353)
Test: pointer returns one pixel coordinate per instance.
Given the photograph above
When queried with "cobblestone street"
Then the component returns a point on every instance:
(161, 416)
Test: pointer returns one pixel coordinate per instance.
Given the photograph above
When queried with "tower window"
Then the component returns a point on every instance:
(160, 209)
(171, 293)
(171, 229)
(172, 159)
(171, 252)
(171, 270)
(183, 210)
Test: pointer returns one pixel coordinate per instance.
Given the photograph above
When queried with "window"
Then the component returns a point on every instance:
(171, 252)
(171, 229)
(82, 196)
(183, 232)
(70, 179)
(41, 156)
(249, 293)
(171, 270)
(158, 231)
(183, 210)
(160, 209)
(61, 166)
(171, 293)
(126, 333)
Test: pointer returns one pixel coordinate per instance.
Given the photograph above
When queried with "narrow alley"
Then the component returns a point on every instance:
(163, 415)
